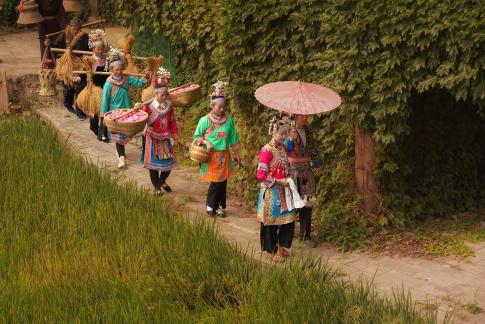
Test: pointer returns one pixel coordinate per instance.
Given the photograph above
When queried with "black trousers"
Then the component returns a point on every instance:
(217, 194)
(158, 178)
(94, 124)
(120, 149)
(69, 92)
(271, 235)
(305, 215)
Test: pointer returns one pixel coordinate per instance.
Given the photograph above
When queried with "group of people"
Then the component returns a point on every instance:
(286, 163)
(160, 135)
(286, 168)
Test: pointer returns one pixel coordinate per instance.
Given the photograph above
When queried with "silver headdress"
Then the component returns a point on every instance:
(277, 123)
(218, 96)
(115, 56)
(163, 73)
(97, 37)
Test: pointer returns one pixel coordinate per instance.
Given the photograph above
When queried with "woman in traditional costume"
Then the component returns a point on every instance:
(276, 218)
(63, 41)
(160, 135)
(98, 44)
(116, 96)
(303, 159)
(217, 131)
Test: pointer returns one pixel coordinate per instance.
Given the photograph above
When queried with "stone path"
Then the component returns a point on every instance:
(449, 282)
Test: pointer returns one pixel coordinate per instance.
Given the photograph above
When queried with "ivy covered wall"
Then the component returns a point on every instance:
(403, 67)
(8, 12)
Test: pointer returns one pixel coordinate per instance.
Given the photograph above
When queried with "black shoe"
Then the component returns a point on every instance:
(166, 187)
(80, 115)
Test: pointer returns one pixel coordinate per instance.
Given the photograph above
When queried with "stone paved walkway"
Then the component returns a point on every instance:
(449, 282)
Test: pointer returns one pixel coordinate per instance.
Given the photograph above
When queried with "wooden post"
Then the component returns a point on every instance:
(367, 186)
(3, 92)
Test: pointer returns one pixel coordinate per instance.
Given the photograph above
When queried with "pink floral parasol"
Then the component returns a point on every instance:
(296, 97)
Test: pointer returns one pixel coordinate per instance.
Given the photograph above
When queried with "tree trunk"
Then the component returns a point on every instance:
(3, 92)
(367, 186)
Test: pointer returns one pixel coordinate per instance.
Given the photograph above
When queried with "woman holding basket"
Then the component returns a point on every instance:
(116, 96)
(217, 132)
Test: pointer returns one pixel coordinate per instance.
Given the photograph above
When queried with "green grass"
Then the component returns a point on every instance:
(75, 247)
(473, 309)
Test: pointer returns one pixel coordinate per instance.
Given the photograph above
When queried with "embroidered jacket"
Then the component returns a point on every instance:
(115, 93)
(162, 123)
(303, 150)
(273, 165)
(301, 161)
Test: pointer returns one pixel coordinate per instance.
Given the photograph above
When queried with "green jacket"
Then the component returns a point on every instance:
(222, 137)
(119, 98)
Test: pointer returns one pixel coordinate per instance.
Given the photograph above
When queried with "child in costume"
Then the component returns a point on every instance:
(157, 154)
(276, 218)
(98, 44)
(217, 131)
(116, 96)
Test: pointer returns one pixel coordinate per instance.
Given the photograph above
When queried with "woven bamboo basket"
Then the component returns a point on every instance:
(47, 81)
(125, 128)
(198, 153)
(185, 98)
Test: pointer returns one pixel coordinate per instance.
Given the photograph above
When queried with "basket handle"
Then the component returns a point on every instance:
(136, 108)
(44, 56)
(128, 112)
(183, 85)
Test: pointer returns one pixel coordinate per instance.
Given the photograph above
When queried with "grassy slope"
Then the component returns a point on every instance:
(74, 246)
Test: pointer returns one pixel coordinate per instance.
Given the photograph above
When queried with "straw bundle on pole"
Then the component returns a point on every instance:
(130, 67)
(153, 63)
(69, 36)
(68, 62)
(89, 99)
(126, 45)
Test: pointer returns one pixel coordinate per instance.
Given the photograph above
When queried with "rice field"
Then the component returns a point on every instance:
(76, 247)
